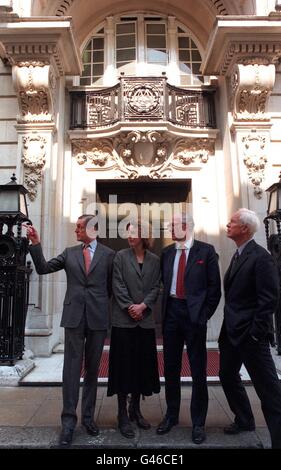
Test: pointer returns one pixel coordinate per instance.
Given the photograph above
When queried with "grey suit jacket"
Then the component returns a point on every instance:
(89, 293)
(134, 286)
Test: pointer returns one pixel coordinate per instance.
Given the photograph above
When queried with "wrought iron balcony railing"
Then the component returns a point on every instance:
(143, 99)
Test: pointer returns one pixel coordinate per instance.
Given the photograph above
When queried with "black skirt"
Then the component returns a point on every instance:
(133, 366)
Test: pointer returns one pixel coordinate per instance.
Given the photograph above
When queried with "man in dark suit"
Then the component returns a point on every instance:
(85, 318)
(192, 290)
(251, 294)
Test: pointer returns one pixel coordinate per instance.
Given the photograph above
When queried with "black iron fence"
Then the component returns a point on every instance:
(14, 291)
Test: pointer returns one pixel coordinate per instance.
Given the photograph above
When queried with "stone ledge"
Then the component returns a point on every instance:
(10, 376)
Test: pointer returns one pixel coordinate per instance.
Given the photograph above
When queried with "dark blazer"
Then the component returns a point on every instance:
(84, 292)
(134, 286)
(251, 295)
(202, 281)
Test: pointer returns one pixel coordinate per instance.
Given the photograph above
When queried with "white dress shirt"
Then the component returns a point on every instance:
(92, 248)
(186, 245)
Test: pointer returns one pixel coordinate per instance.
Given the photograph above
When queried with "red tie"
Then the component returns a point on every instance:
(87, 258)
(180, 291)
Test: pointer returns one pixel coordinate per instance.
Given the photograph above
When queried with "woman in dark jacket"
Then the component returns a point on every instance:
(133, 367)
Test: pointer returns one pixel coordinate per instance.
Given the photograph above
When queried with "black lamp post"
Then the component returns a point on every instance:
(274, 244)
(14, 273)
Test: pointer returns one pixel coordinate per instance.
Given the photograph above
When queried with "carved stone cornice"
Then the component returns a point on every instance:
(236, 40)
(34, 160)
(250, 53)
(41, 39)
(250, 87)
(137, 154)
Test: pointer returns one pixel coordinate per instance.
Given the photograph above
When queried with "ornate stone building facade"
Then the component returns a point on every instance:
(180, 102)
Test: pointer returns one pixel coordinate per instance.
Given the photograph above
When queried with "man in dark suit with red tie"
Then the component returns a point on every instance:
(251, 287)
(192, 290)
(85, 317)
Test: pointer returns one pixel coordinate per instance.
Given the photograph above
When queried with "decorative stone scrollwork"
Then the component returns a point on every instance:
(250, 87)
(97, 153)
(34, 160)
(35, 85)
(139, 154)
(255, 160)
(187, 151)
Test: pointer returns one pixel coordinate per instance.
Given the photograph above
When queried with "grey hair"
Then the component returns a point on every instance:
(186, 219)
(249, 218)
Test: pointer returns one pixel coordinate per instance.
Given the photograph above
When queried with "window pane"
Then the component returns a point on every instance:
(184, 43)
(87, 56)
(87, 70)
(184, 56)
(85, 81)
(185, 80)
(196, 57)
(98, 56)
(125, 55)
(154, 55)
(198, 79)
(156, 42)
(156, 29)
(98, 43)
(125, 28)
(98, 69)
(89, 46)
(125, 41)
(128, 68)
(195, 68)
(185, 68)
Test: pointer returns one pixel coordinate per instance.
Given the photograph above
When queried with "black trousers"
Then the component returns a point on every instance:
(178, 331)
(81, 342)
(258, 361)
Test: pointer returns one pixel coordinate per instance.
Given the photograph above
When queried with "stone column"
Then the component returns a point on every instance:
(109, 67)
(173, 72)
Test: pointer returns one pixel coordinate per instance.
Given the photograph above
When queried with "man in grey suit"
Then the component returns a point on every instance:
(85, 318)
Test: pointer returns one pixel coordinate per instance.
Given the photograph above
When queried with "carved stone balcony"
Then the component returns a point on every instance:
(144, 100)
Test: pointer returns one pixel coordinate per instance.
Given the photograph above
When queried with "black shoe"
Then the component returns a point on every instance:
(66, 437)
(125, 427)
(135, 415)
(166, 425)
(91, 428)
(198, 434)
(235, 428)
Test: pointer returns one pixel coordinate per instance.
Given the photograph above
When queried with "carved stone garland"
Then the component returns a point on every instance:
(34, 160)
(255, 160)
(142, 154)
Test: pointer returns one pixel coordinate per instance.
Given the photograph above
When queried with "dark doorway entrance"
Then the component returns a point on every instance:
(141, 192)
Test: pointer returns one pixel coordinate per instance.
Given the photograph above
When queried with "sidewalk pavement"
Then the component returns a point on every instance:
(30, 418)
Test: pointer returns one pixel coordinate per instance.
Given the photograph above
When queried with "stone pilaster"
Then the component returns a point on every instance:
(250, 85)
(41, 53)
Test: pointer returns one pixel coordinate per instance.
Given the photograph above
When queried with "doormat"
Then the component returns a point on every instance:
(212, 366)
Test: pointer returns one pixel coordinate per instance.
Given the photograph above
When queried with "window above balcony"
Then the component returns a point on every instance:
(141, 45)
